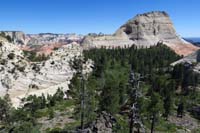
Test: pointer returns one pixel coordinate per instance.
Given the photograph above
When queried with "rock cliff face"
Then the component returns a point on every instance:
(149, 28)
(145, 30)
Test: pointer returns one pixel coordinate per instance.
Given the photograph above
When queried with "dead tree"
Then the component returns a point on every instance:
(135, 121)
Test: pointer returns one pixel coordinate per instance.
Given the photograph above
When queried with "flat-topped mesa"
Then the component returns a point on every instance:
(145, 30)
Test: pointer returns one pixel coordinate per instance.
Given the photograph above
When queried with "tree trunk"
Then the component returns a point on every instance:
(82, 104)
(138, 130)
(131, 124)
(152, 123)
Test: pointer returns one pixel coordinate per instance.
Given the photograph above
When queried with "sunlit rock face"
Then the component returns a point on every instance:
(144, 30)
(149, 28)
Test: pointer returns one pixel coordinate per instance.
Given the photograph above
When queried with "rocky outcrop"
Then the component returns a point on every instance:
(104, 123)
(144, 30)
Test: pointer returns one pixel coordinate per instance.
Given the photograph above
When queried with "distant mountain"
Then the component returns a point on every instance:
(20, 38)
(144, 30)
(194, 40)
(43, 42)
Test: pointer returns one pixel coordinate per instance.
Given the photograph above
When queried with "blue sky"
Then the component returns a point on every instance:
(85, 16)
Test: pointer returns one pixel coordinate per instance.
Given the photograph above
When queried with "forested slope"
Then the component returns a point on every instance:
(137, 87)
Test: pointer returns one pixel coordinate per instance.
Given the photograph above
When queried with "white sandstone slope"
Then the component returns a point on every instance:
(192, 60)
(20, 78)
(11, 60)
(144, 30)
(107, 41)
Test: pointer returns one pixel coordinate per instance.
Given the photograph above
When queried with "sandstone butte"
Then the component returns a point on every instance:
(144, 30)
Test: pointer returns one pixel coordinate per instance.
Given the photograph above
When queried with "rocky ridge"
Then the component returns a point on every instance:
(144, 30)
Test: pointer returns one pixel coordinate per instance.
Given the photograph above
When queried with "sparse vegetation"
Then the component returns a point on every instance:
(32, 56)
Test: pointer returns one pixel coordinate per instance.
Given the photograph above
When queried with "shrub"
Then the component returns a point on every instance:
(11, 56)
(51, 113)
(3, 62)
(9, 38)
(32, 56)
(1, 44)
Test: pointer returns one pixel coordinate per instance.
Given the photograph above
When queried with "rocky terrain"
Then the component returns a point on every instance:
(103, 124)
(144, 30)
(20, 77)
